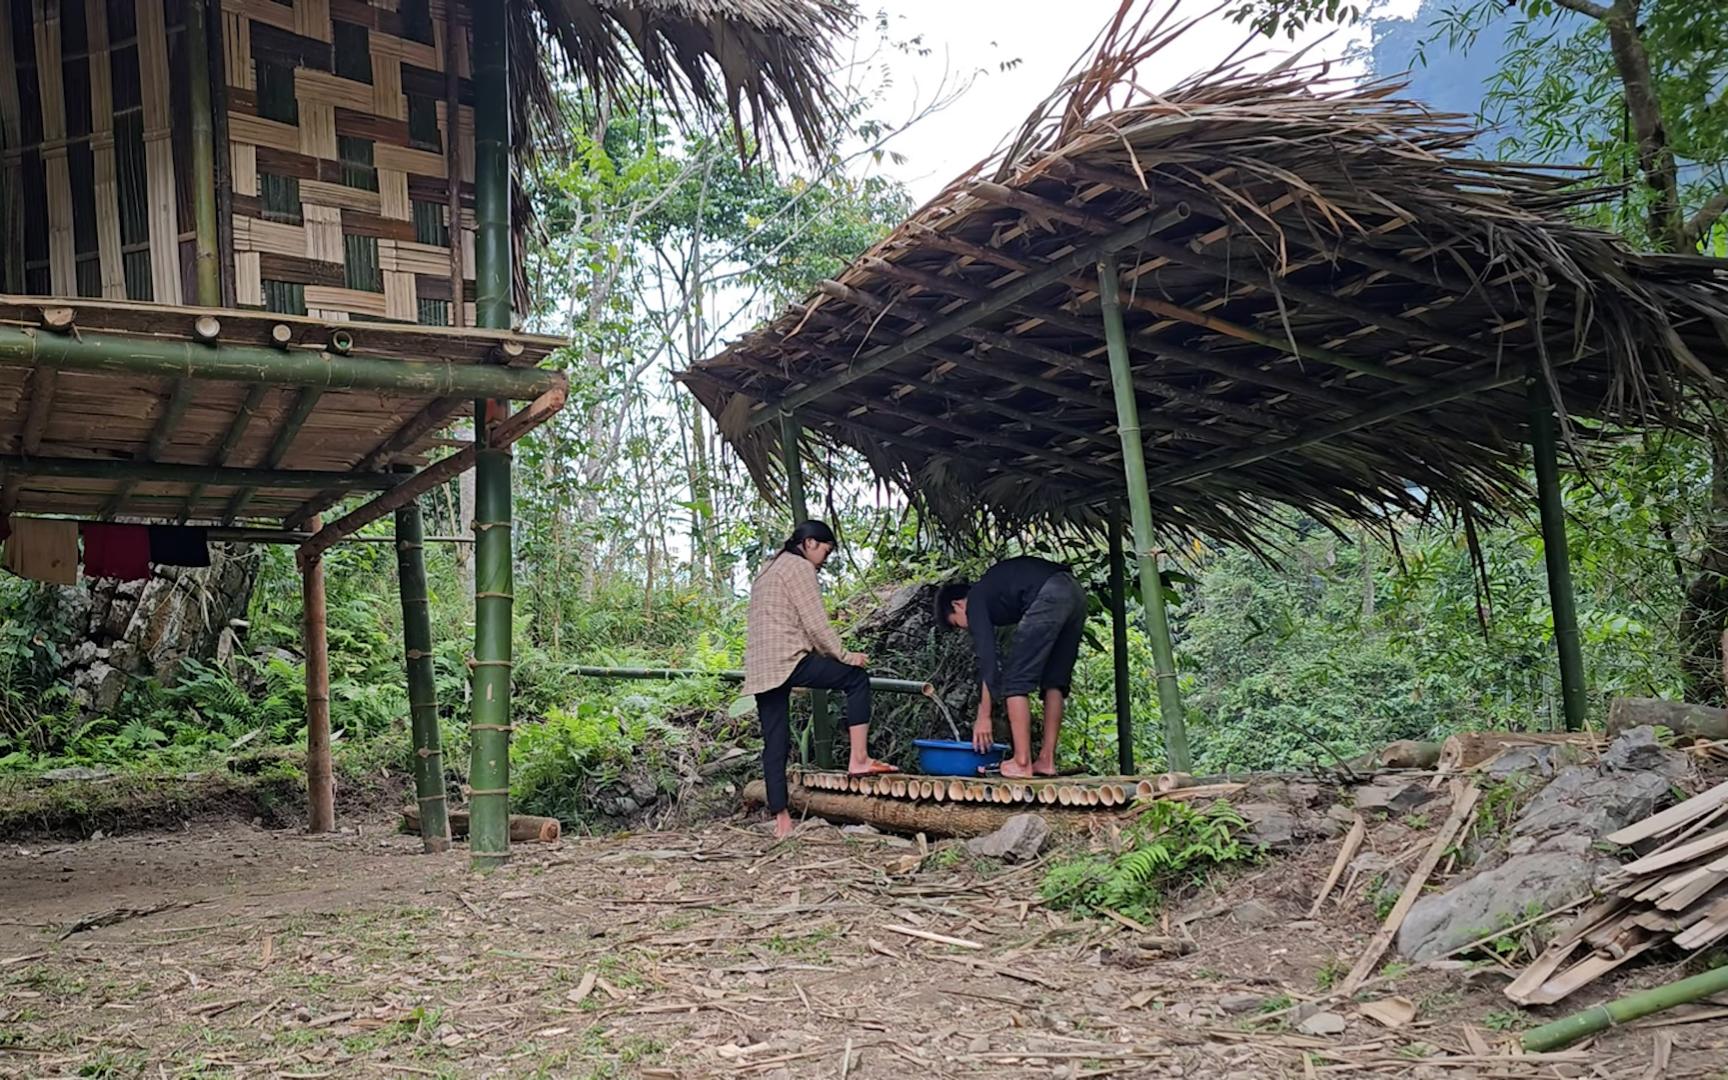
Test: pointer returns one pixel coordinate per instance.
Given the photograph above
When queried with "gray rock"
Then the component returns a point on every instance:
(1020, 839)
(1543, 880)
(1529, 762)
(1269, 824)
(1638, 751)
(1582, 802)
(643, 789)
(1255, 913)
(1237, 1004)
(1322, 1023)
(1394, 796)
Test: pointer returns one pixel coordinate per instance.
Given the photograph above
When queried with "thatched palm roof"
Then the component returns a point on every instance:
(763, 64)
(1328, 307)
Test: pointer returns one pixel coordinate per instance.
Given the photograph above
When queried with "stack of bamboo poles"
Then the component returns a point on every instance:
(1081, 792)
(1677, 892)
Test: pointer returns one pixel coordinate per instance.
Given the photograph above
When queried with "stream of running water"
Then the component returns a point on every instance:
(948, 716)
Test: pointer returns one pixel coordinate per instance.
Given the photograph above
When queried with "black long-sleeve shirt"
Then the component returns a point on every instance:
(1000, 598)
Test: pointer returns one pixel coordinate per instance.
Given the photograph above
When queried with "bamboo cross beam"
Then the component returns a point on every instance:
(505, 433)
(426, 421)
(172, 473)
(1000, 299)
(116, 354)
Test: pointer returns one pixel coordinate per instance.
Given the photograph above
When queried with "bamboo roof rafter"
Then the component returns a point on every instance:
(1327, 304)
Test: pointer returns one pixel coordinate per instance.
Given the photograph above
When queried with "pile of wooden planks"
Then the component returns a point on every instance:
(1081, 792)
(1676, 892)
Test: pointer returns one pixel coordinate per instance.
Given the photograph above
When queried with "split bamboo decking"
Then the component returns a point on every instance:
(1076, 792)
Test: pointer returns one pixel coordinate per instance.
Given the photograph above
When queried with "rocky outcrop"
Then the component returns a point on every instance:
(147, 629)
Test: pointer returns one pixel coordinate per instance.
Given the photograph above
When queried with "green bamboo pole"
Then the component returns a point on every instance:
(422, 693)
(1140, 511)
(117, 354)
(589, 671)
(213, 475)
(1119, 648)
(1545, 450)
(489, 767)
(1570, 1029)
(203, 126)
(791, 451)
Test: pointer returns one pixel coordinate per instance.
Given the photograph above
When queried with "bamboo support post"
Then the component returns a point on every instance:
(1140, 506)
(489, 768)
(320, 785)
(1545, 451)
(1119, 648)
(206, 243)
(429, 785)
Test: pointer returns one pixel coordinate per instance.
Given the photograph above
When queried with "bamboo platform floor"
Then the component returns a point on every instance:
(1078, 792)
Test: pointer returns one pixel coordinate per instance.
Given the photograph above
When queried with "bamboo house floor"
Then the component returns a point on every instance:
(229, 950)
(148, 412)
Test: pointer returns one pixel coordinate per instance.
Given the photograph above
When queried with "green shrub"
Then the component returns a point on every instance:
(1171, 845)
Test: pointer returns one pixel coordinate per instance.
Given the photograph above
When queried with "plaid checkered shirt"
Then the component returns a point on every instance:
(787, 623)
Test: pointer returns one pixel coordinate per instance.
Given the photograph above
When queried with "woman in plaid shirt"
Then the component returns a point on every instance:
(792, 643)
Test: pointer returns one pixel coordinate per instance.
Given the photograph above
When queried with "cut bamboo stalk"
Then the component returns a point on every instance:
(1463, 802)
(1047, 794)
(939, 790)
(956, 791)
(1671, 818)
(1346, 852)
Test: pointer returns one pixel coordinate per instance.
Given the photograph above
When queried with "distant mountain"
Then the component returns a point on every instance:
(1450, 81)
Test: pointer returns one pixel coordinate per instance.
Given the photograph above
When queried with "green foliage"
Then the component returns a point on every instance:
(1171, 845)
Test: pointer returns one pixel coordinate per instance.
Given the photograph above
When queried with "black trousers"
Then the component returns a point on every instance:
(774, 706)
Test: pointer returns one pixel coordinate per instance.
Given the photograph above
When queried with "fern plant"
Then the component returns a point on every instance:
(1171, 845)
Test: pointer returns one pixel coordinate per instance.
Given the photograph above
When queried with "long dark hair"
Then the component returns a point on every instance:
(809, 530)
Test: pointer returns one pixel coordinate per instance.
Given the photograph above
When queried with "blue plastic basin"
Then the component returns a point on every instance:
(945, 757)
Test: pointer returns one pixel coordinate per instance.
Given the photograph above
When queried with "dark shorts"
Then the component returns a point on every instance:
(1047, 641)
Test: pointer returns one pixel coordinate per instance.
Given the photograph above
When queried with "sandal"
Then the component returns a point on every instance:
(876, 768)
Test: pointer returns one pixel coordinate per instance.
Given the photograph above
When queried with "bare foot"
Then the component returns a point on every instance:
(1015, 771)
(1043, 768)
(782, 826)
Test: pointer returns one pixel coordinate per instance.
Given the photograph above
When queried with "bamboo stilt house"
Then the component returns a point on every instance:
(256, 255)
(1253, 289)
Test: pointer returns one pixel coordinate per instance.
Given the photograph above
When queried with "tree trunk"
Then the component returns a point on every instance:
(1684, 719)
(1705, 616)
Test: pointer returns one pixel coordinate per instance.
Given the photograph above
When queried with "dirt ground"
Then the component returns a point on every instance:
(231, 950)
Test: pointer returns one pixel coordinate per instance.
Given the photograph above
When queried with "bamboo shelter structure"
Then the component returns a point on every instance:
(1253, 289)
(256, 255)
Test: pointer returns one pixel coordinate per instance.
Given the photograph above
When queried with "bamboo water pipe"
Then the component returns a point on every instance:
(590, 671)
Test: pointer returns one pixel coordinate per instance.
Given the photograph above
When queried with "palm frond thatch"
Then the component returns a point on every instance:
(764, 64)
(1331, 306)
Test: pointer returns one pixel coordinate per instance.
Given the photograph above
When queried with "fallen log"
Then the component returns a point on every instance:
(1690, 722)
(1469, 749)
(945, 819)
(524, 828)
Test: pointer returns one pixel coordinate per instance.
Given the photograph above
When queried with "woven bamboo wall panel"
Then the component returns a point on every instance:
(92, 199)
(348, 100)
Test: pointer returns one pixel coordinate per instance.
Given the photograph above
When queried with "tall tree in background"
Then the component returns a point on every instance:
(1638, 90)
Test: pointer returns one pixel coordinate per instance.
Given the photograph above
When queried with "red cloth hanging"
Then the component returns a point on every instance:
(117, 551)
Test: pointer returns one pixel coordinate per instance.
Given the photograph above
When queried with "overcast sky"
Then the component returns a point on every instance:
(1046, 37)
